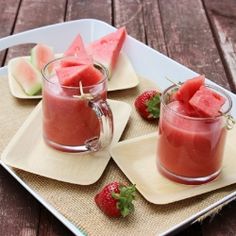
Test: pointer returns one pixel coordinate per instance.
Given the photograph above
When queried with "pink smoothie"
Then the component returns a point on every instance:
(67, 120)
(189, 147)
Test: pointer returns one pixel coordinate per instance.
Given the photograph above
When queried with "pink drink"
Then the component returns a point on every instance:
(71, 122)
(67, 120)
(190, 149)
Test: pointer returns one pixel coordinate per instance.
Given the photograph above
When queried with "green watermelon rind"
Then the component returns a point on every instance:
(36, 88)
(33, 55)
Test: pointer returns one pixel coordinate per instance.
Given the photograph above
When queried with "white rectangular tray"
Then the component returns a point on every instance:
(156, 67)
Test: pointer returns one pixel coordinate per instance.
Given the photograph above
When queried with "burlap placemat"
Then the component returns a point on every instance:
(76, 202)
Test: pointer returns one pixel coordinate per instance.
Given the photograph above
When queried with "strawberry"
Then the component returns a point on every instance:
(148, 104)
(115, 199)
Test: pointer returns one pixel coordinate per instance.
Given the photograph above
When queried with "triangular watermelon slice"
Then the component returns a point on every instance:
(77, 50)
(106, 50)
(71, 76)
(189, 88)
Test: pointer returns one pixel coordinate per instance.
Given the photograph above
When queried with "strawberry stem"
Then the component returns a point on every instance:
(125, 198)
(153, 106)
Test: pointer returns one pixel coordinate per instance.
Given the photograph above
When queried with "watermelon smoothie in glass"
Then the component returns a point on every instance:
(75, 119)
(190, 149)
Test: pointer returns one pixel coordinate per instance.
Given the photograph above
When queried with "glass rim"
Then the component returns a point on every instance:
(214, 87)
(95, 63)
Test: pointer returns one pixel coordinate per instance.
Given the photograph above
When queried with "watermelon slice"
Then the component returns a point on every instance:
(106, 50)
(26, 75)
(41, 54)
(76, 49)
(207, 102)
(71, 76)
(188, 88)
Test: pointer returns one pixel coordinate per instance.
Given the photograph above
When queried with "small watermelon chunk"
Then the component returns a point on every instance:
(41, 54)
(207, 102)
(76, 49)
(26, 75)
(106, 50)
(71, 76)
(188, 88)
(183, 108)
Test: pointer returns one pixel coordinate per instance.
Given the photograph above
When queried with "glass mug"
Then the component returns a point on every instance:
(190, 149)
(75, 119)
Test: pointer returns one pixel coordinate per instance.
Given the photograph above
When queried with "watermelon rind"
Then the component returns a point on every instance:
(40, 55)
(27, 76)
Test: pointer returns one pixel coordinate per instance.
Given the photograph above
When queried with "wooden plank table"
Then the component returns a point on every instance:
(200, 34)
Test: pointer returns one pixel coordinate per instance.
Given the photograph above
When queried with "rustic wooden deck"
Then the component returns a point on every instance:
(201, 34)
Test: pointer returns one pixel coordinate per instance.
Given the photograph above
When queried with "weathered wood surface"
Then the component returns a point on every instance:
(222, 16)
(9, 11)
(199, 34)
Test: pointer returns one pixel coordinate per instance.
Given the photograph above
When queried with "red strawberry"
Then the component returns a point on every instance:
(148, 104)
(115, 199)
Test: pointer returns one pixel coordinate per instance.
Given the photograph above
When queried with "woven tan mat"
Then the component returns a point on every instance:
(76, 202)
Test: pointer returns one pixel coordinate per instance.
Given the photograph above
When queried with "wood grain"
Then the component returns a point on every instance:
(222, 15)
(130, 14)
(79, 9)
(189, 38)
(9, 11)
(19, 211)
(33, 14)
(50, 226)
(153, 26)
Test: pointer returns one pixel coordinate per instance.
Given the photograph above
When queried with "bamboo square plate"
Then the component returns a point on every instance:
(137, 159)
(27, 151)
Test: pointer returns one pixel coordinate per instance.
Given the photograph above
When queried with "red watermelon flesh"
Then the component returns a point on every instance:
(71, 76)
(77, 49)
(189, 88)
(73, 61)
(207, 102)
(106, 50)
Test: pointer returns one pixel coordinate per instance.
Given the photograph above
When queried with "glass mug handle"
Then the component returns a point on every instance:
(105, 117)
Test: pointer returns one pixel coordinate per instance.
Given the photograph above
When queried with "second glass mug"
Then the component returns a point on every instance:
(190, 150)
(75, 119)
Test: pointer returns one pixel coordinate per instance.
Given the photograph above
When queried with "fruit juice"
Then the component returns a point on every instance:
(190, 149)
(67, 120)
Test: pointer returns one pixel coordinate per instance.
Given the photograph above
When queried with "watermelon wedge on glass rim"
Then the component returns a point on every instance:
(72, 76)
(189, 88)
(106, 50)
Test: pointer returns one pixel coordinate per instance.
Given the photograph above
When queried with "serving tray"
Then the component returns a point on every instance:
(155, 67)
